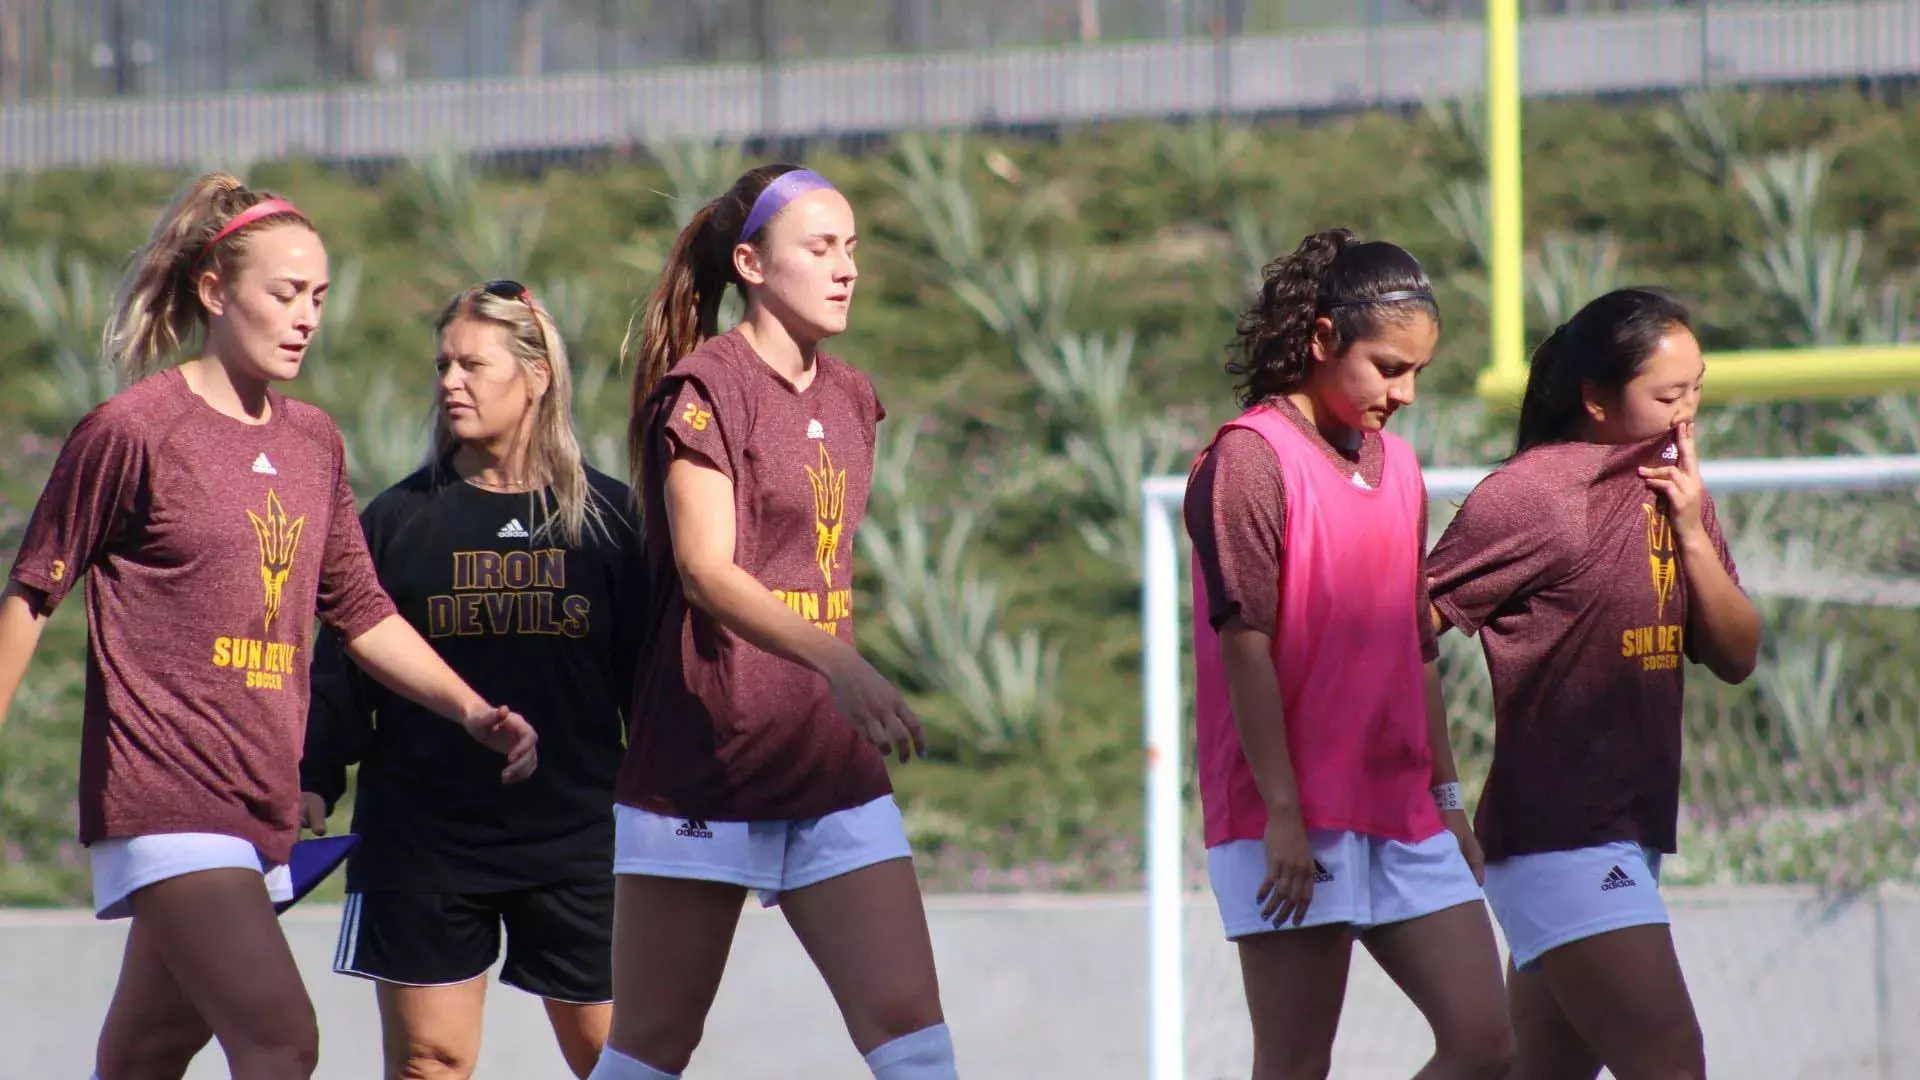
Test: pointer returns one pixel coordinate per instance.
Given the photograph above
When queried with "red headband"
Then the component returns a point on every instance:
(250, 215)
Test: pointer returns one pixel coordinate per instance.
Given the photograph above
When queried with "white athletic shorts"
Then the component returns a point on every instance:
(121, 866)
(1545, 901)
(1362, 880)
(768, 856)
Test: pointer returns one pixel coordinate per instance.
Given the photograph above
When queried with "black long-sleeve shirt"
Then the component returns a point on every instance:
(528, 624)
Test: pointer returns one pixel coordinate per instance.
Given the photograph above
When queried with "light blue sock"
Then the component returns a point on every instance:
(926, 1054)
(614, 1065)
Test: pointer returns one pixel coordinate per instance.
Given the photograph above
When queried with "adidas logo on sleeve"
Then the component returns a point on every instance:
(694, 828)
(1616, 879)
(512, 530)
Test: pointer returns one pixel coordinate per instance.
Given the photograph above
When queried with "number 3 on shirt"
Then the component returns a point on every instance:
(696, 417)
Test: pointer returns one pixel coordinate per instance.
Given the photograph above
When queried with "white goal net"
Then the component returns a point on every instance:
(1793, 896)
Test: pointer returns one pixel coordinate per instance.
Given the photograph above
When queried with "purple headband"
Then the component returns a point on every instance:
(784, 189)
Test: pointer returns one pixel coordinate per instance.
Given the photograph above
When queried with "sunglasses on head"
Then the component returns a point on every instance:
(507, 289)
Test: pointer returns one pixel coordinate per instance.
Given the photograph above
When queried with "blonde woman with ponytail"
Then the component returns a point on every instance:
(510, 555)
(756, 757)
(211, 519)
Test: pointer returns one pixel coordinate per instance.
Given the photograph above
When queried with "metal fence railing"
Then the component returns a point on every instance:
(508, 76)
(94, 48)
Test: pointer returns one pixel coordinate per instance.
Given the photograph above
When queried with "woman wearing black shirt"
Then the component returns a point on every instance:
(507, 553)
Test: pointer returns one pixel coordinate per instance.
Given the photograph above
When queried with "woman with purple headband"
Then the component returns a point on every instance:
(756, 754)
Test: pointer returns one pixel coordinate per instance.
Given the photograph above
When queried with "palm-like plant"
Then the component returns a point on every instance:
(1805, 679)
(1709, 129)
(1087, 378)
(934, 177)
(1114, 457)
(386, 436)
(1784, 190)
(1815, 281)
(1889, 315)
(1205, 152)
(943, 634)
(1889, 424)
(1457, 434)
(65, 302)
(574, 304)
(698, 170)
(1568, 271)
(320, 371)
(1464, 208)
(1024, 299)
(1461, 120)
(1258, 239)
(483, 239)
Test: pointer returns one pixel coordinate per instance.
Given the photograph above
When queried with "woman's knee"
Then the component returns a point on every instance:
(1679, 1053)
(664, 1039)
(290, 1047)
(903, 1012)
(423, 1060)
(1479, 1046)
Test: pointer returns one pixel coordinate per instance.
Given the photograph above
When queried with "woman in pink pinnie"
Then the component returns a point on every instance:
(1331, 804)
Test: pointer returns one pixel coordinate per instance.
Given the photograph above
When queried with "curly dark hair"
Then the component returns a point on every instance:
(1360, 287)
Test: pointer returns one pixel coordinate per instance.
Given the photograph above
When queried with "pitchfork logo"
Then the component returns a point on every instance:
(279, 540)
(829, 510)
(1660, 555)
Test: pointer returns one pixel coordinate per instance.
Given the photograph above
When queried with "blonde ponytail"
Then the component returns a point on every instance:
(156, 309)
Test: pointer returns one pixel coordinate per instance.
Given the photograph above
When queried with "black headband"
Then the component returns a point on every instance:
(1330, 304)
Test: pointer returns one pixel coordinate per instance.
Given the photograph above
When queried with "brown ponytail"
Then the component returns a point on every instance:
(156, 309)
(684, 308)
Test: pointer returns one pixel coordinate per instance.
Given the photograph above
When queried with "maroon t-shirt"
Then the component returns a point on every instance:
(1565, 563)
(721, 729)
(1236, 514)
(207, 544)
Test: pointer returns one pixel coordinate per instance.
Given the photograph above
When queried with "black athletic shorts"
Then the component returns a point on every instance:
(559, 939)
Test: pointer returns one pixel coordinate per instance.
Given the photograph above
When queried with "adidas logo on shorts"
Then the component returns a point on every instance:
(1321, 875)
(1616, 879)
(694, 828)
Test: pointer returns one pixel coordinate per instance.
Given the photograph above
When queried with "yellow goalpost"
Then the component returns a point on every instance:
(1848, 371)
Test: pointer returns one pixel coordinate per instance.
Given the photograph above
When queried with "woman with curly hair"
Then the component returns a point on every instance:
(1332, 808)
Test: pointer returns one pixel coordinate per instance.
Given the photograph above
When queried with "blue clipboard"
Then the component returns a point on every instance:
(313, 859)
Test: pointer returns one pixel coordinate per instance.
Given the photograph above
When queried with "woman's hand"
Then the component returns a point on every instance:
(1287, 890)
(500, 728)
(875, 709)
(1681, 484)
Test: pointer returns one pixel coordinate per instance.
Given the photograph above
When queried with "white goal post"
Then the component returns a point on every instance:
(1162, 633)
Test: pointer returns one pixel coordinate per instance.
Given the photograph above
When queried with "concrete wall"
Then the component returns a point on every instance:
(1787, 987)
